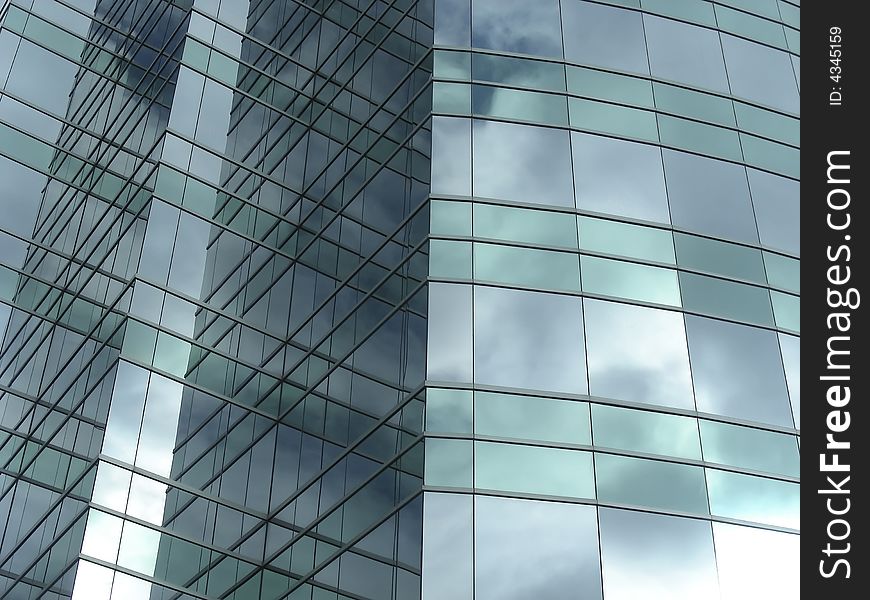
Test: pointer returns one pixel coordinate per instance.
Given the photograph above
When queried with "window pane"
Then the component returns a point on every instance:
(451, 65)
(760, 74)
(669, 58)
(517, 26)
(756, 563)
(629, 280)
(644, 431)
(448, 357)
(786, 310)
(750, 498)
(448, 411)
(656, 557)
(750, 448)
(688, 103)
(770, 156)
(700, 137)
(610, 86)
(521, 105)
(777, 208)
(726, 299)
(624, 239)
(783, 272)
(639, 482)
(523, 225)
(619, 177)
(604, 36)
(637, 354)
(686, 10)
(519, 72)
(720, 258)
(533, 470)
(531, 418)
(791, 358)
(527, 267)
(452, 98)
(529, 340)
(453, 23)
(522, 163)
(768, 124)
(447, 546)
(530, 549)
(449, 258)
(719, 351)
(451, 154)
(617, 120)
(448, 462)
(709, 196)
(449, 218)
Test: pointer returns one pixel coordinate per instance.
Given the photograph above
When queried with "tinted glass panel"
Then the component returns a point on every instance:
(720, 258)
(530, 549)
(616, 120)
(517, 26)
(522, 225)
(629, 280)
(447, 546)
(529, 340)
(532, 418)
(760, 74)
(726, 299)
(619, 177)
(688, 103)
(451, 153)
(527, 267)
(533, 470)
(638, 482)
(448, 258)
(709, 196)
(637, 354)
(756, 563)
(518, 72)
(604, 36)
(721, 350)
(453, 22)
(610, 86)
(449, 218)
(791, 358)
(668, 42)
(750, 498)
(522, 163)
(448, 462)
(519, 105)
(750, 448)
(646, 432)
(449, 353)
(783, 272)
(656, 557)
(624, 239)
(777, 208)
(448, 411)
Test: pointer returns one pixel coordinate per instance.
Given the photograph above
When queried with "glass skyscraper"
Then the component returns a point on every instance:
(399, 300)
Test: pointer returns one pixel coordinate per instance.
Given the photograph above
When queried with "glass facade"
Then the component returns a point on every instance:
(256, 255)
(612, 408)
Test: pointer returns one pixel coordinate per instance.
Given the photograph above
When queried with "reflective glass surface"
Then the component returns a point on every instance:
(638, 482)
(533, 470)
(531, 418)
(604, 36)
(517, 26)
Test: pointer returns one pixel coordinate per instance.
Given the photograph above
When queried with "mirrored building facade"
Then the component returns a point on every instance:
(399, 300)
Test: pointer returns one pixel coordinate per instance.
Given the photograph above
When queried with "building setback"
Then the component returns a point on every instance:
(257, 255)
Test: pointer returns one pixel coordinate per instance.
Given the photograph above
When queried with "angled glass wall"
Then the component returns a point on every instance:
(612, 405)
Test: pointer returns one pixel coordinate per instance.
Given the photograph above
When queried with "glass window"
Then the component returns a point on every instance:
(449, 258)
(645, 431)
(737, 371)
(449, 218)
(750, 498)
(517, 26)
(686, 10)
(709, 196)
(749, 26)
(756, 563)
(700, 137)
(523, 225)
(786, 310)
(619, 177)
(448, 357)
(528, 340)
(448, 411)
(530, 549)
(629, 280)
(760, 74)
(771, 156)
(451, 156)
(656, 557)
(519, 72)
(452, 98)
(637, 354)
(768, 124)
(531, 418)
(721, 258)
(521, 105)
(688, 103)
(750, 448)
(791, 358)
(668, 41)
(533, 470)
(522, 163)
(639, 482)
(527, 267)
(612, 119)
(447, 546)
(625, 239)
(448, 462)
(726, 299)
(453, 23)
(777, 209)
(604, 36)
(610, 86)
(451, 65)
(783, 272)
